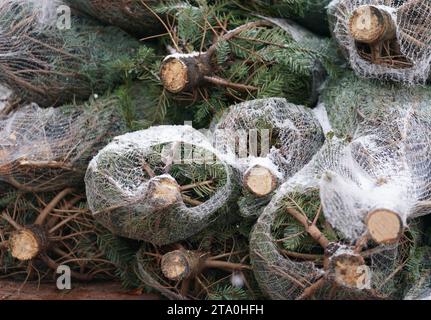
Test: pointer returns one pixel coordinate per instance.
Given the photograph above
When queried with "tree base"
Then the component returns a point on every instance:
(28, 243)
(260, 181)
(384, 226)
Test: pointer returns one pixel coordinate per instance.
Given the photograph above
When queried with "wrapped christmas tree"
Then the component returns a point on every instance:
(298, 253)
(141, 18)
(161, 185)
(44, 231)
(51, 66)
(384, 39)
(66, 139)
(218, 59)
(267, 141)
(309, 13)
(369, 191)
(211, 265)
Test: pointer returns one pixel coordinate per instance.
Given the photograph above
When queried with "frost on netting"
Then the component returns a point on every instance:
(368, 189)
(49, 149)
(298, 254)
(386, 167)
(385, 39)
(51, 66)
(267, 141)
(162, 185)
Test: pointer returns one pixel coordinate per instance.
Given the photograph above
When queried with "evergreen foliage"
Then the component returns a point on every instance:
(268, 58)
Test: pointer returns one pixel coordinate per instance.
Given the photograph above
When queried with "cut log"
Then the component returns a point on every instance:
(349, 271)
(181, 73)
(384, 226)
(27, 243)
(163, 192)
(370, 24)
(260, 181)
(180, 264)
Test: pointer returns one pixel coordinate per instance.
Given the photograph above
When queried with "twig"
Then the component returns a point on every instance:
(54, 202)
(311, 229)
(311, 290)
(226, 83)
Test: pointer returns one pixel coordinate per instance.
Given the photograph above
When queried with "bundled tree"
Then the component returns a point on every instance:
(40, 232)
(219, 59)
(267, 141)
(49, 66)
(162, 185)
(369, 190)
(297, 255)
(66, 139)
(210, 265)
(384, 39)
(139, 17)
(309, 13)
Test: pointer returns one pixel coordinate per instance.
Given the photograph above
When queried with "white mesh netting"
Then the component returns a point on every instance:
(306, 272)
(289, 135)
(270, 133)
(47, 10)
(51, 66)
(162, 185)
(48, 149)
(401, 52)
(386, 166)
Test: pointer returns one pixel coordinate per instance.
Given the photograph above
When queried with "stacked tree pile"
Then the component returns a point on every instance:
(217, 149)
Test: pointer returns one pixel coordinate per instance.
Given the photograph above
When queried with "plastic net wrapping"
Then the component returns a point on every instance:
(268, 133)
(386, 165)
(51, 66)
(161, 185)
(71, 236)
(5, 93)
(217, 264)
(385, 39)
(311, 14)
(130, 15)
(47, 10)
(421, 287)
(287, 266)
(343, 96)
(49, 149)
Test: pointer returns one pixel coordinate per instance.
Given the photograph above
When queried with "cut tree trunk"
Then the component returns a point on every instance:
(28, 243)
(370, 25)
(384, 226)
(260, 181)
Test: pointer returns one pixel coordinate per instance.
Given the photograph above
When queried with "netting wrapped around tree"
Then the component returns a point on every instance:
(41, 232)
(387, 166)
(49, 149)
(267, 141)
(298, 254)
(385, 39)
(213, 264)
(420, 286)
(161, 185)
(368, 188)
(309, 13)
(250, 59)
(51, 66)
(138, 17)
